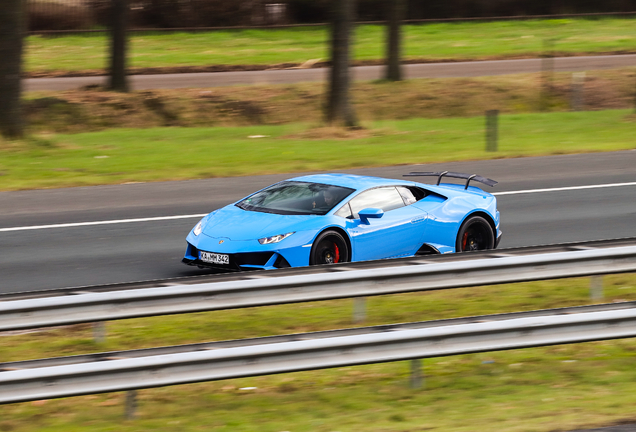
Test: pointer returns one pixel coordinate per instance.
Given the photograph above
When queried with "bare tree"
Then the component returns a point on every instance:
(12, 28)
(397, 9)
(339, 110)
(119, 24)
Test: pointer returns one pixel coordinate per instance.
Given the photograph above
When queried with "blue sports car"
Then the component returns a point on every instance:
(332, 218)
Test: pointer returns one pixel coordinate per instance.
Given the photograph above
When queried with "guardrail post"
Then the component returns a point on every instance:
(99, 331)
(596, 287)
(359, 309)
(131, 404)
(576, 93)
(417, 378)
(492, 132)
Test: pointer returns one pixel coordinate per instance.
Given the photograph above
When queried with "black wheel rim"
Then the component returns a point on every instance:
(474, 239)
(331, 251)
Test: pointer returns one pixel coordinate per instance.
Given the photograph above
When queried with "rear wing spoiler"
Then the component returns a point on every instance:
(468, 177)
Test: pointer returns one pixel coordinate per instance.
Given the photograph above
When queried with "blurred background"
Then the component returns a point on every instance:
(89, 14)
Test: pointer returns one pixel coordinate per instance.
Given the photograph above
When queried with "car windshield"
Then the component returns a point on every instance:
(295, 198)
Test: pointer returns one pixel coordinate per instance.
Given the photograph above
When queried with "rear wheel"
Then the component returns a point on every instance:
(475, 234)
(330, 247)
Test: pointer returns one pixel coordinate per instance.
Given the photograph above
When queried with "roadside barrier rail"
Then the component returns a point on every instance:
(205, 276)
(130, 370)
(352, 280)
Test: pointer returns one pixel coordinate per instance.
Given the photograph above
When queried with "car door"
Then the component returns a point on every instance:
(397, 233)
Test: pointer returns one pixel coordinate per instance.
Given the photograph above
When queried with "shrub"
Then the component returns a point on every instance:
(49, 15)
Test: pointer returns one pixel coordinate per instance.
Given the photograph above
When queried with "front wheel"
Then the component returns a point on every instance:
(475, 234)
(329, 248)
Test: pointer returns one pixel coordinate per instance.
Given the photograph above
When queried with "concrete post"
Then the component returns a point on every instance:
(99, 331)
(359, 309)
(547, 74)
(576, 93)
(417, 378)
(131, 404)
(596, 287)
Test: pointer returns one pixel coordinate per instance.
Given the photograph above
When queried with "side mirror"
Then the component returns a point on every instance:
(370, 213)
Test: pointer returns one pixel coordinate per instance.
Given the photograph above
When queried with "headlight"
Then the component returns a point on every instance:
(274, 239)
(197, 229)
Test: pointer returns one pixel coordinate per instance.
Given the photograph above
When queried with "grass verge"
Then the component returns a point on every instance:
(540, 389)
(47, 55)
(141, 155)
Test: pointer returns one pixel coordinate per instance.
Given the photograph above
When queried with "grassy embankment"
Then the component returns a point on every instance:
(430, 42)
(70, 132)
(539, 389)
(117, 156)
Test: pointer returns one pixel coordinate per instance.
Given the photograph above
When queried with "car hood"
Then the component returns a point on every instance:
(237, 224)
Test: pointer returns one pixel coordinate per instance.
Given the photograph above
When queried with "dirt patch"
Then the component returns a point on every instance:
(93, 108)
(339, 133)
(606, 93)
(45, 103)
(158, 105)
(252, 111)
(331, 133)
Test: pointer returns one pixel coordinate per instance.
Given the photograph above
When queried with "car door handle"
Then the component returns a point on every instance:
(417, 219)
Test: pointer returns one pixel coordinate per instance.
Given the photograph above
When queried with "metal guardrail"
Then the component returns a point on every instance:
(72, 376)
(342, 282)
(211, 276)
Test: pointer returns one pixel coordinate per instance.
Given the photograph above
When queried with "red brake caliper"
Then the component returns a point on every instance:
(464, 241)
(337, 258)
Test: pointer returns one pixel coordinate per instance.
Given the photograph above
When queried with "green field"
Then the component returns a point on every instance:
(429, 42)
(140, 155)
(539, 389)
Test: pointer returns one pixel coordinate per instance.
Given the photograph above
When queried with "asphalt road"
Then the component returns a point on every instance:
(361, 73)
(36, 258)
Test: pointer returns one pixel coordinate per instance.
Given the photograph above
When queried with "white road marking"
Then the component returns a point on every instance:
(564, 189)
(163, 218)
(120, 221)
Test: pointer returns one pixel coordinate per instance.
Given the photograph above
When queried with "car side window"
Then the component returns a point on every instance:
(345, 212)
(385, 198)
(407, 195)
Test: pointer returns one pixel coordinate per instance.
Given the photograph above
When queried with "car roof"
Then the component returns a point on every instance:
(361, 183)
(352, 181)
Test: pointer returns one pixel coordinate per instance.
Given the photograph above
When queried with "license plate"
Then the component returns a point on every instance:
(214, 258)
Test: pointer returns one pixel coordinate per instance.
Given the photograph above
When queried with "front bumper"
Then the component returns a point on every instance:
(268, 260)
(499, 235)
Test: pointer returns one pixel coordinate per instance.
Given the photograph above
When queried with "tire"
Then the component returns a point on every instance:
(475, 234)
(330, 247)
